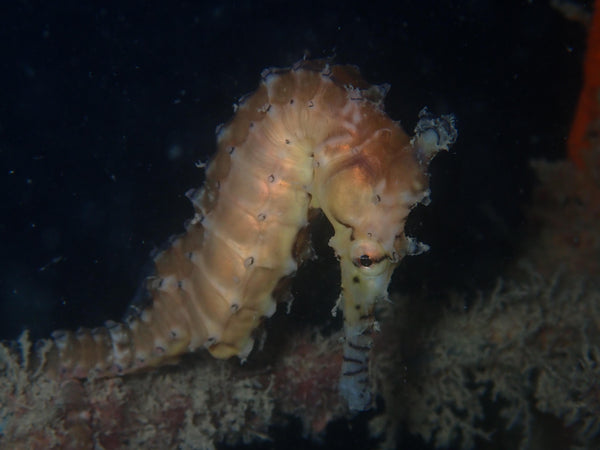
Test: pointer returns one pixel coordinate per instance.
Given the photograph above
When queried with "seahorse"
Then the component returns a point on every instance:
(311, 137)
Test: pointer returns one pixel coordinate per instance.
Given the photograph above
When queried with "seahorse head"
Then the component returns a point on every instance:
(367, 190)
(367, 198)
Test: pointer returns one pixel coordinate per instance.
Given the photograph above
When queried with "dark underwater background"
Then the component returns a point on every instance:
(105, 107)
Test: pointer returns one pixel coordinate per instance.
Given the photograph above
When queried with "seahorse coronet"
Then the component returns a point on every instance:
(311, 137)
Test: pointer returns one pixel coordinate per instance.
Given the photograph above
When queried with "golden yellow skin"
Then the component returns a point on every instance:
(312, 136)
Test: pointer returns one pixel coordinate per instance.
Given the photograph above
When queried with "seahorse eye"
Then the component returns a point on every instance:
(368, 256)
(365, 260)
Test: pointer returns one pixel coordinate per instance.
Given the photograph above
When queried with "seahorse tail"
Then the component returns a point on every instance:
(69, 354)
(99, 352)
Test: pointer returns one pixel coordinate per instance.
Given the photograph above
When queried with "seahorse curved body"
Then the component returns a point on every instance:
(311, 136)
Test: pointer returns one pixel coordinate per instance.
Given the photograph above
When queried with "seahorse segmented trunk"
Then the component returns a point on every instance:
(311, 136)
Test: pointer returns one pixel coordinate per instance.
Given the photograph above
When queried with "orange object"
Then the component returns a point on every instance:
(588, 107)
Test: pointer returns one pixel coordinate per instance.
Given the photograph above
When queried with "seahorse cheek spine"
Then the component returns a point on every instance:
(314, 136)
